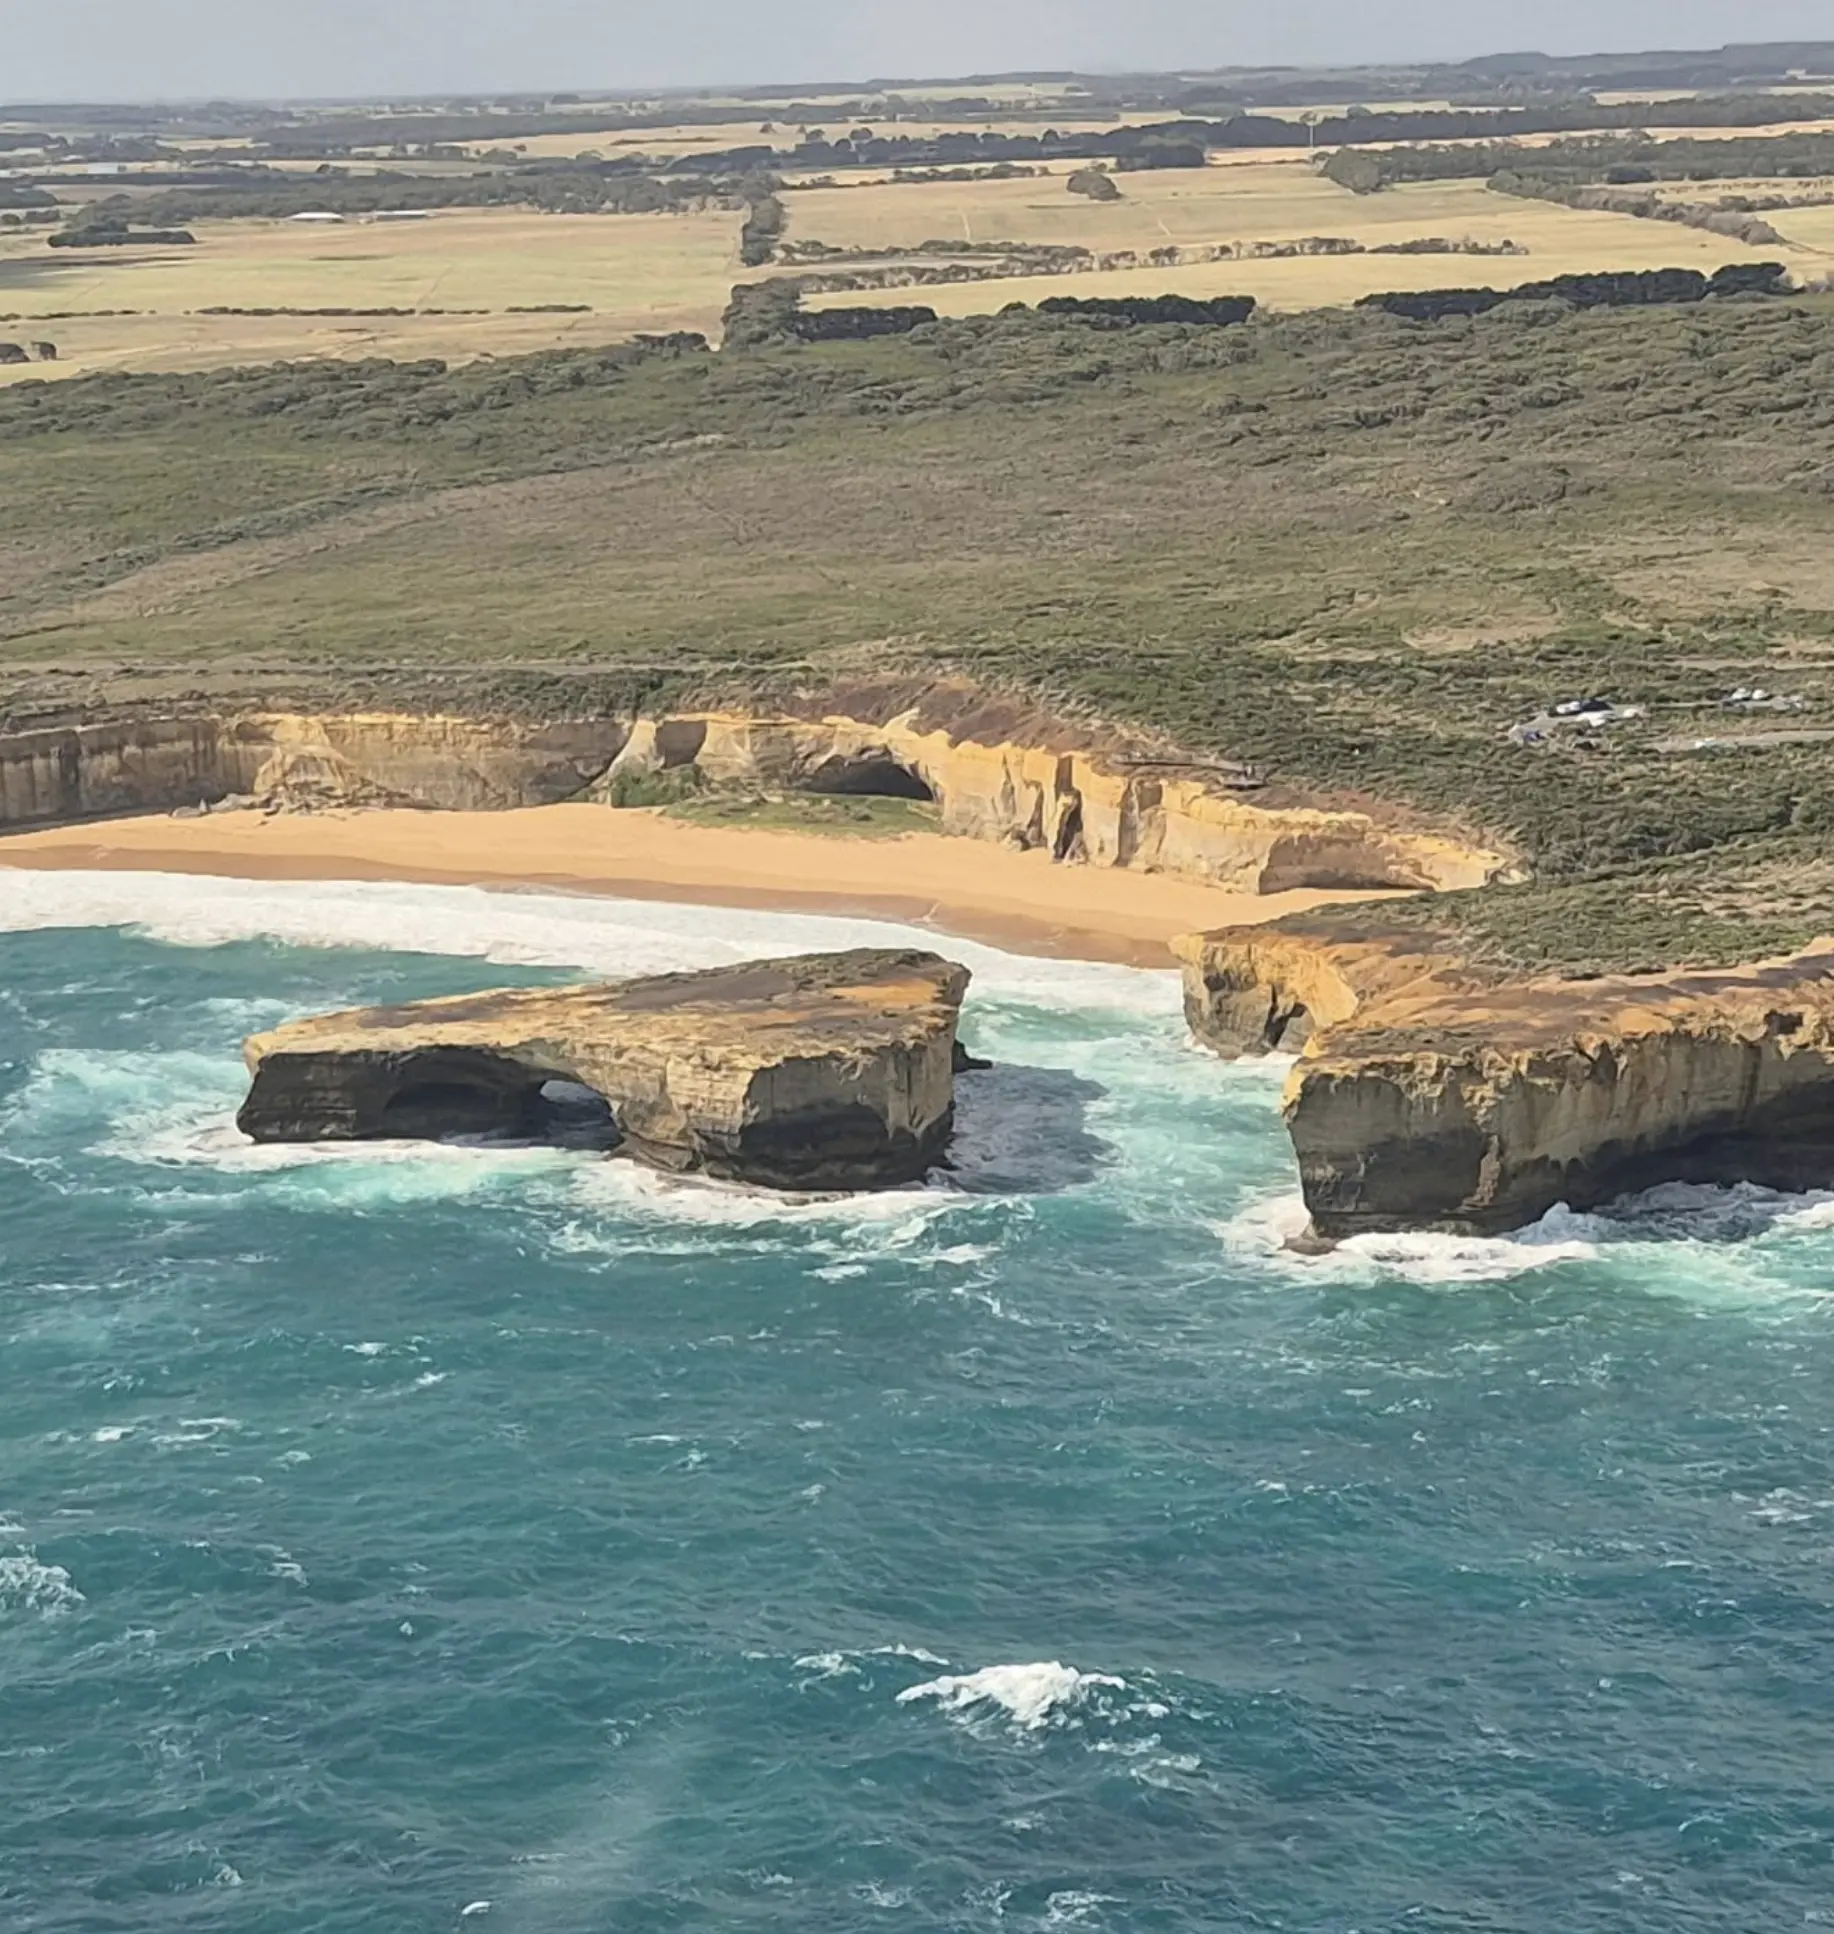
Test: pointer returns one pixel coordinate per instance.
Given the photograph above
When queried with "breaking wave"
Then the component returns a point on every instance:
(1031, 1696)
(602, 935)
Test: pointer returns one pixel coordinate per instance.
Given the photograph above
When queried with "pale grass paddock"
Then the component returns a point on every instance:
(1269, 202)
(637, 273)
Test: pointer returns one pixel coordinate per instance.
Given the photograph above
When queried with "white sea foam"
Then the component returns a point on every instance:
(1074, 1905)
(1737, 1238)
(627, 1191)
(1262, 1231)
(196, 1430)
(1422, 1257)
(827, 1665)
(599, 935)
(27, 1584)
(1030, 1695)
(212, 1141)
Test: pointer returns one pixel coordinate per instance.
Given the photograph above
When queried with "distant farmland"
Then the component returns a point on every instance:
(632, 273)
(1262, 202)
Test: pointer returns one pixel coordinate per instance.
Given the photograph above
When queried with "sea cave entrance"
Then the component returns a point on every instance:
(874, 775)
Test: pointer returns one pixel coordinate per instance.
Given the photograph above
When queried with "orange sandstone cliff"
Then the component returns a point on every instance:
(1431, 1093)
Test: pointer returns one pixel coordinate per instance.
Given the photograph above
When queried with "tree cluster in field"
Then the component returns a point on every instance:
(563, 190)
(765, 220)
(1645, 203)
(1126, 312)
(119, 235)
(759, 313)
(1606, 289)
(859, 323)
(1609, 160)
(995, 171)
(1042, 258)
(993, 263)
(1096, 183)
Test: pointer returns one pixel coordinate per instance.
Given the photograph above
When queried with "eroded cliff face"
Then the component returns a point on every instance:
(1434, 1095)
(294, 761)
(1262, 990)
(825, 1071)
(1093, 805)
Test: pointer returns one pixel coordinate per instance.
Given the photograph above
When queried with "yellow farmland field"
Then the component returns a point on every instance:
(636, 272)
(1810, 231)
(1559, 241)
(1250, 200)
(1269, 201)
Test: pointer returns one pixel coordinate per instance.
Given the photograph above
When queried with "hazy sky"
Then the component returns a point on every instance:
(184, 49)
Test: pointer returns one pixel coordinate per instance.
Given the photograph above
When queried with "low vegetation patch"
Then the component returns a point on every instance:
(801, 812)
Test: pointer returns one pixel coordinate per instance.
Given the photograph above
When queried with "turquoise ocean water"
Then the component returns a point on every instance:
(427, 1538)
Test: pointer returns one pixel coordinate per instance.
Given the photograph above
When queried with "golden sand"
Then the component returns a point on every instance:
(1018, 900)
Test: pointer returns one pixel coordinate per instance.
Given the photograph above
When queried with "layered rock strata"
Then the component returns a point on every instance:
(1431, 1094)
(825, 1071)
(1101, 805)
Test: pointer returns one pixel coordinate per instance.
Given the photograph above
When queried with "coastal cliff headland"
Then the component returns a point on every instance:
(1434, 1092)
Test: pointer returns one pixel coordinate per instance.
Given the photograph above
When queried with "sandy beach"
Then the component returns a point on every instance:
(973, 888)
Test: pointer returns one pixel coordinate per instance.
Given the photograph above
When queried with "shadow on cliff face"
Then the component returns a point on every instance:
(1024, 1131)
(1018, 1131)
(557, 1114)
(1729, 1212)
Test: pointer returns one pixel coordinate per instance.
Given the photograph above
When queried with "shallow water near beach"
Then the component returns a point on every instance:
(413, 1538)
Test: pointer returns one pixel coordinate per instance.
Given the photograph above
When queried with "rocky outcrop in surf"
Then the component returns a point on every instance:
(1434, 1094)
(825, 1071)
(1011, 775)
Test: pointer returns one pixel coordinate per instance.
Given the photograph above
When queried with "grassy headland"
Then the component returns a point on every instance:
(1349, 549)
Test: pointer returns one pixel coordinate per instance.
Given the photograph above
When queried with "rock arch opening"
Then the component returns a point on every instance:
(457, 1095)
(875, 775)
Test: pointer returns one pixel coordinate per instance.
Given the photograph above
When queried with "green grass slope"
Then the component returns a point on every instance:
(1350, 549)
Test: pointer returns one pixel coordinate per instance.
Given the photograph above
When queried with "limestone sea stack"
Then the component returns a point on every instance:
(1433, 1094)
(823, 1071)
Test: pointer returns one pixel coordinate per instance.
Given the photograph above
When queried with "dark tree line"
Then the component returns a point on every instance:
(119, 235)
(558, 190)
(1612, 160)
(772, 312)
(1218, 312)
(1614, 290)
